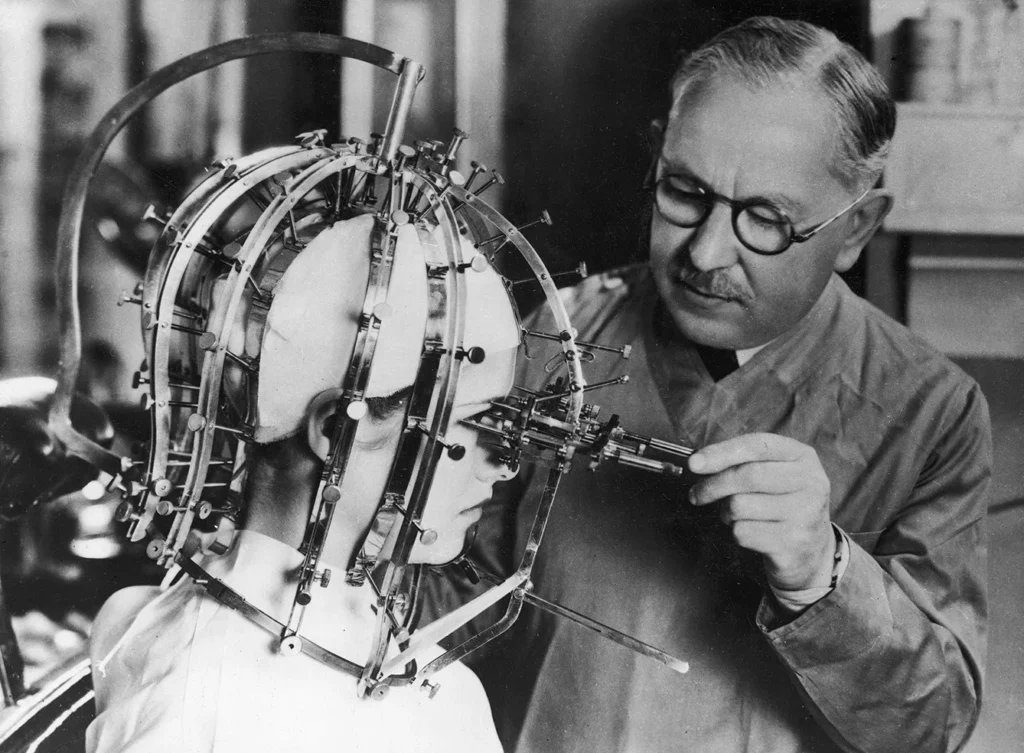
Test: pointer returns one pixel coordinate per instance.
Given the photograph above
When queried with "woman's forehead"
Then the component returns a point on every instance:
(479, 383)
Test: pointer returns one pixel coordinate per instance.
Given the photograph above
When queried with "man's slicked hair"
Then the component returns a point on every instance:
(763, 50)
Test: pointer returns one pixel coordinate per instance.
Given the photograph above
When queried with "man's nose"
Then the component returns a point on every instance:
(713, 244)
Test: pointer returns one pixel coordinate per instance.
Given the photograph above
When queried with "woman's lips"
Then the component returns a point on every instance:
(475, 512)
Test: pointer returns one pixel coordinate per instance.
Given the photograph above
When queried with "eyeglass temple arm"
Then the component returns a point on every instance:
(808, 234)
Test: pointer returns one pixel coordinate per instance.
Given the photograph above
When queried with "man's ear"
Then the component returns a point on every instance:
(320, 418)
(656, 134)
(864, 222)
(655, 140)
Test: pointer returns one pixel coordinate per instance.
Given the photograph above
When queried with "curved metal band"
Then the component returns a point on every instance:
(554, 300)
(227, 596)
(443, 394)
(444, 626)
(383, 241)
(69, 231)
(198, 217)
(324, 164)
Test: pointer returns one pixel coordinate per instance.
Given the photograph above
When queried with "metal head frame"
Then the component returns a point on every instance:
(201, 391)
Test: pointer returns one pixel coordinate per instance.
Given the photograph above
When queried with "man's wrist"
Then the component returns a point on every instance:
(795, 601)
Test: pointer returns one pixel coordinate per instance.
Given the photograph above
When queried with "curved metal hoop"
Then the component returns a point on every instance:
(73, 211)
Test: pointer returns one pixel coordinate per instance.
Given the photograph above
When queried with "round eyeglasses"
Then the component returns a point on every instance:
(760, 226)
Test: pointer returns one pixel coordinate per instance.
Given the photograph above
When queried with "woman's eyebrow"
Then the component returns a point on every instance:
(382, 407)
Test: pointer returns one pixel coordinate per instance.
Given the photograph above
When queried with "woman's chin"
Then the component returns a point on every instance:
(452, 539)
(445, 549)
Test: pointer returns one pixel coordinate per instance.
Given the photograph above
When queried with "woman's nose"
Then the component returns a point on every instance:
(506, 472)
(491, 466)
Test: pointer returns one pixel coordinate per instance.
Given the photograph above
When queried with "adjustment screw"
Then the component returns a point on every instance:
(356, 410)
(161, 487)
(154, 549)
(208, 341)
(290, 646)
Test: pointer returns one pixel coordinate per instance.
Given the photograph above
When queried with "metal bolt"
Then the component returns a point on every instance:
(290, 646)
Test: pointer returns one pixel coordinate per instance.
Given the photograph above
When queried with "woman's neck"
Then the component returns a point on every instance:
(278, 507)
(281, 491)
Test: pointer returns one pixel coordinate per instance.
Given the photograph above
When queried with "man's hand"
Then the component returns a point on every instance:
(774, 494)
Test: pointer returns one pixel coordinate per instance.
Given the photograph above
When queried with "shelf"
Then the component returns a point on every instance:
(954, 111)
(968, 306)
(957, 169)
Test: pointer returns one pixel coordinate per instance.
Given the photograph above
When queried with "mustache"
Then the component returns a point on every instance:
(715, 282)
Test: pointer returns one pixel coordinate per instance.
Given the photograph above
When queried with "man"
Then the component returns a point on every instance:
(824, 572)
(180, 670)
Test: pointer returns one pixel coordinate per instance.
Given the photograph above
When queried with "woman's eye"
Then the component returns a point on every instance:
(487, 425)
(484, 418)
(377, 435)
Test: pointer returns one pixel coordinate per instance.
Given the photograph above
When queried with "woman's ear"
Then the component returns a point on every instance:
(320, 417)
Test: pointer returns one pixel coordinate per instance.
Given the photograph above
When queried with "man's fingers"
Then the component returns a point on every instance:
(763, 537)
(748, 448)
(757, 507)
(749, 478)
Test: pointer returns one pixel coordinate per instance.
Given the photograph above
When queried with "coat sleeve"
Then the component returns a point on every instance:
(892, 659)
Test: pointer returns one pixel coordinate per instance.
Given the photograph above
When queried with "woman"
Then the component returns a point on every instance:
(178, 670)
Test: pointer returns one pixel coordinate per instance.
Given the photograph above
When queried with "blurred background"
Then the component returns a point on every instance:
(556, 95)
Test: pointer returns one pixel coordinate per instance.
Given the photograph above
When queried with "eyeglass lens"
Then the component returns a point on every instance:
(761, 227)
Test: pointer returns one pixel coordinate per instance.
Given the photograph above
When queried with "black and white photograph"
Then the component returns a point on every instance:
(511, 376)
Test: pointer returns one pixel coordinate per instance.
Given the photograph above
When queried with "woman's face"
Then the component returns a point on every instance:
(460, 487)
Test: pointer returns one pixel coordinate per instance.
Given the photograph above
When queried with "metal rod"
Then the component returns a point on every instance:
(410, 76)
(595, 386)
(73, 212)
(12, 666)
(580, 343)
(634, 644)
